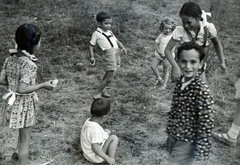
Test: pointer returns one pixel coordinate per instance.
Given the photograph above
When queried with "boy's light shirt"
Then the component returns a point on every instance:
(101, 40)
(92, 132)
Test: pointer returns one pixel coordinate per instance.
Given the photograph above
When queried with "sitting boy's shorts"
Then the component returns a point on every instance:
(237, 86)
(109, 60)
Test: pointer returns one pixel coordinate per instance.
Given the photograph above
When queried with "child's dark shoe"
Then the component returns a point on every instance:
(14, 156)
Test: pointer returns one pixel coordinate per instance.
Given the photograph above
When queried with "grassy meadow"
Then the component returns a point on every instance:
(139, 107)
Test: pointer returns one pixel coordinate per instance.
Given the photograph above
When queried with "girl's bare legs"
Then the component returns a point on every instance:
(110, 146)
(24, 140)
(154, 66)
(166, 67)
(107, 78)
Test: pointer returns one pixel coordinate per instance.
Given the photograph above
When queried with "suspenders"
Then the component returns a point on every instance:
(108, 37)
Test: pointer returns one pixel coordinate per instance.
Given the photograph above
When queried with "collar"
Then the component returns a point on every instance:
(184, 84)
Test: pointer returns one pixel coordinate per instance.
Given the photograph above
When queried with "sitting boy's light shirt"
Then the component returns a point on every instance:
(102, 41)
(91, 133)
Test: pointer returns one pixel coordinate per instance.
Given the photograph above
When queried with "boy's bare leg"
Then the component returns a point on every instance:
(107, 78)
(110, 146)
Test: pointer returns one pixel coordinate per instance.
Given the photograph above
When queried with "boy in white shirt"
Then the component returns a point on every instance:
(109, 44)
(98, 145)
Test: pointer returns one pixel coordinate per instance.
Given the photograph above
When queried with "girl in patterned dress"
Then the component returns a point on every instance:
(191, 116)
(19, 74)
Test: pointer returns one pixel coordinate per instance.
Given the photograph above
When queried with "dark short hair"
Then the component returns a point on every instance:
(167, 21)
(189, 46)
(27, 36)
(191, 9)
(100, 107)
(101, 16)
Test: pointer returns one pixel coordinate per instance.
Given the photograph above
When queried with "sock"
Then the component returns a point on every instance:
(233, 131)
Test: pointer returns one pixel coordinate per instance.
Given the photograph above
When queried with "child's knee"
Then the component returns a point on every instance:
(113, 138)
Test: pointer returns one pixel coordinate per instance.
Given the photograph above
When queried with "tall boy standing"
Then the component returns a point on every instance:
(191, 117)
(109, 45)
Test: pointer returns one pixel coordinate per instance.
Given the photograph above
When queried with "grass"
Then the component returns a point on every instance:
(139, 108)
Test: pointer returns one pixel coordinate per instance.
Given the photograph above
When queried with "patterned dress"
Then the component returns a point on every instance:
(22, 112)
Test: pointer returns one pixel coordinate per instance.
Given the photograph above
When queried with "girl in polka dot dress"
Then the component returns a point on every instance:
(191, 116)
(19, 74)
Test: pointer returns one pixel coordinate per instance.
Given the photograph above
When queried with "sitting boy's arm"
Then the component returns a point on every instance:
(92, 59)
(120, 45)
(96, 149)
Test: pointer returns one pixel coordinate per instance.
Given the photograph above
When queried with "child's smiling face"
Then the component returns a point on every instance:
(167, 29)
(190, 23)
(106, 24)
(189, 63)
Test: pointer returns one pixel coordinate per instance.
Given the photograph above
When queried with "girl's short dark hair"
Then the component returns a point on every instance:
(189, 46)
(100, 107)
(191, 9)
(27, 36)
(167, 21)
(101, 16)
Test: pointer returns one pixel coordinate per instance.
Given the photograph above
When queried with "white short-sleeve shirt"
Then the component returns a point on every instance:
(180, 35)
(91, 133)
(162, 41)
(102, 41)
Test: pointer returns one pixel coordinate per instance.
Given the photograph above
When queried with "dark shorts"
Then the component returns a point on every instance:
(180, 152)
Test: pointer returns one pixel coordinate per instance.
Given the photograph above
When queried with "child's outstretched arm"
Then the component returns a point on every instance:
(96, 149)
(121, 46)
(176, 73)
(92, 59)
(219, 50)
(25, 88)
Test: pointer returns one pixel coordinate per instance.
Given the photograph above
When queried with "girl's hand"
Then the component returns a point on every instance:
(176, 73)
(49, 85)
(92, 61)
(125, 51)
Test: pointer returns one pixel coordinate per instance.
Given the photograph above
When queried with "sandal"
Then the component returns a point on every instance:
(97, 96)
(224, 137)
(105, 94)
(163, 87)
(159, 82)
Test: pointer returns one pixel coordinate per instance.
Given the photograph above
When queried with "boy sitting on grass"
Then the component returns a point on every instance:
(98, 145)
